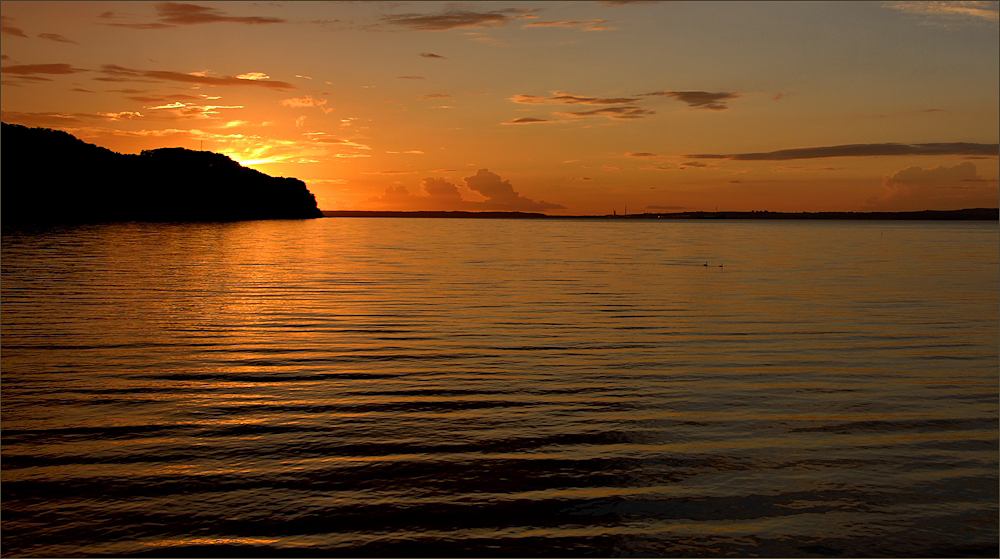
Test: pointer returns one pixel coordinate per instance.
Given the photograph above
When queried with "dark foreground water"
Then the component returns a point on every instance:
(411, 387)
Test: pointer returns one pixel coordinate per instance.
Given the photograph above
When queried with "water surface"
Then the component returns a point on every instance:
(468, 387)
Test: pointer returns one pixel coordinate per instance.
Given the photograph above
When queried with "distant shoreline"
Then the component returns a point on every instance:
(969, 214)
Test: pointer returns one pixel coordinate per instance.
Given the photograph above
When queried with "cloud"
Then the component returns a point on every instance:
(917, 188)
(7, 29)
(172, 14)
(57, 38)
(322, 138)
(918, 176)
(526, 120)
(255, 76)
(609, 3)
(306, 101)
(500, 194)
(38, 119)
(441, 189)
(618, 113)
(643, 154)
(948, 13)
(861, 150)
(115, 73)
(163, 98)
(435, 96)
(182, 110)
(432, 55)
(31, 69)
(589, 25)
(411, 77)
(566, 98)
(699, 99)
(439, 194)
(19, 74)
(453, 19)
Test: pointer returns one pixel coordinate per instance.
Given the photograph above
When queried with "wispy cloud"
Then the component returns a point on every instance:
(526, 120)
(115, 73)
(588, 25)
(411, 77)
(432, 55)
(307, 101)
(7, 29)
(860, 150)
(19, 74)
(173, 14)
(164, 99)
(699, 99)
(453, 19)
(618, 113)
(254, 76)
(566, 98)
(31, 69)
(435, 96)
(56, 37)
(949, 13)
(610, 3)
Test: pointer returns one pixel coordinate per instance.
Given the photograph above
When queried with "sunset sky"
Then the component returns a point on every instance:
(559, 107)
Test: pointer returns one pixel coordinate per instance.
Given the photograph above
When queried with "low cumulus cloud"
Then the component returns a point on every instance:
(941, 187)
(174, 14)
(699, 99)
(432, 55)
(454, 19)
(860, 150)
(115, 73)
(439, 194)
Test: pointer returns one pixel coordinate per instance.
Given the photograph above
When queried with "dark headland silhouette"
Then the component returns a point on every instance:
(50, 176)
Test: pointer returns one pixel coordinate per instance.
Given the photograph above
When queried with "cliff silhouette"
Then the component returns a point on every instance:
(50, 176)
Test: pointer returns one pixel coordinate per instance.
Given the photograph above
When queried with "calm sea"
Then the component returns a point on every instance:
(442, 387)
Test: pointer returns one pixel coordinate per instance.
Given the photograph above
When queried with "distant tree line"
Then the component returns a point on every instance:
(52, 176)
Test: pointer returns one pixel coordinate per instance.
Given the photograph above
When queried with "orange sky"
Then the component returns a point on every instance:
(559, 107)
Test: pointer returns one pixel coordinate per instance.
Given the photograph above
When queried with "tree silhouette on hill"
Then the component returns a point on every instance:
(51, 176)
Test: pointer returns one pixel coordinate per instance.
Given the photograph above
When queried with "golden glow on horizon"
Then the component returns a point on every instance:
(578, 108)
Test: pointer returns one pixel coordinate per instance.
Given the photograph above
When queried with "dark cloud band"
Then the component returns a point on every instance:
(860, 150)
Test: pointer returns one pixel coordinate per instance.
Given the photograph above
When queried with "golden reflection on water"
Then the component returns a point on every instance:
(551, 382)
